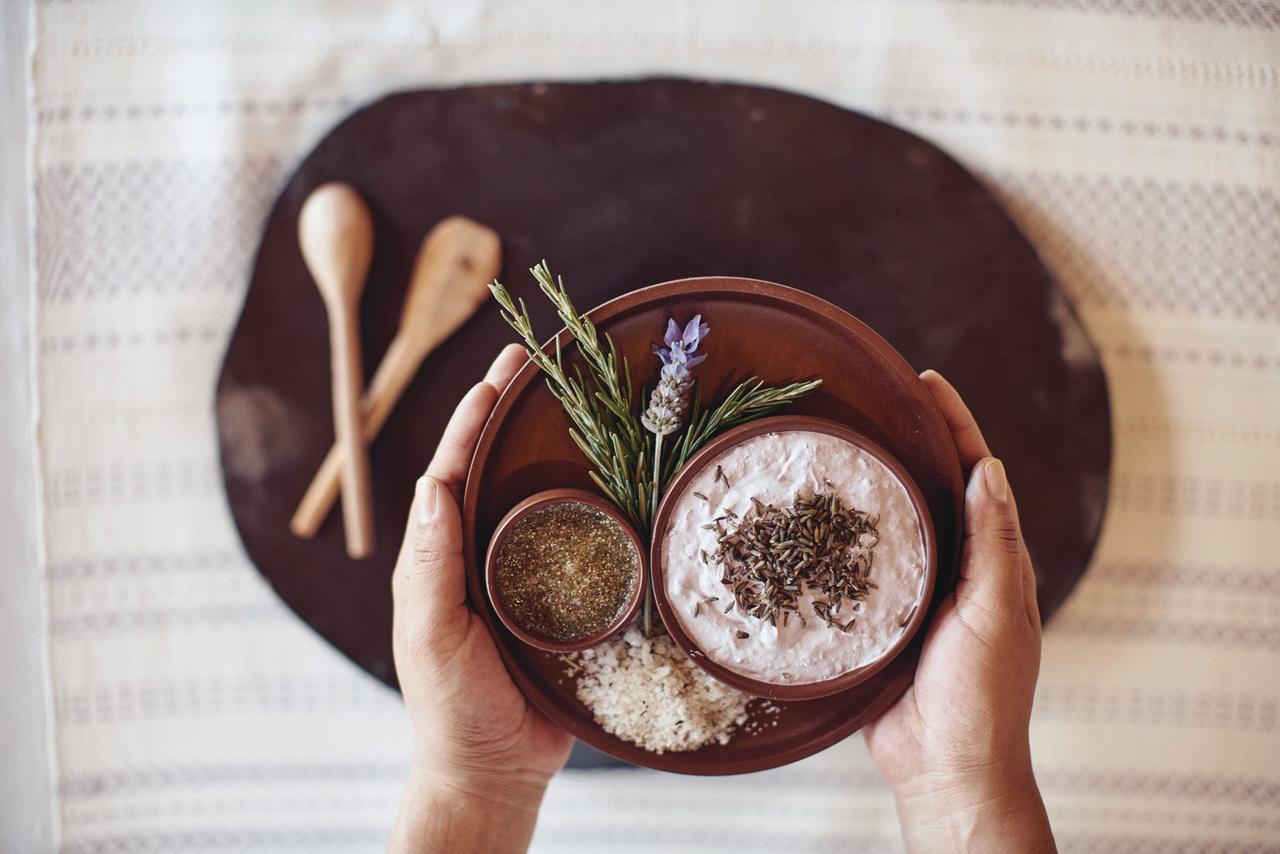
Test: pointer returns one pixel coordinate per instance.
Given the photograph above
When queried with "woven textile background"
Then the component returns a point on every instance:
(1136, 141)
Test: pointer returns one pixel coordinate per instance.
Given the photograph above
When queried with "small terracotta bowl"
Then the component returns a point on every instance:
(541, 500)
(712, 450)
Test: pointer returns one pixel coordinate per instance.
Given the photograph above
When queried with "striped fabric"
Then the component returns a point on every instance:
(1136, 141)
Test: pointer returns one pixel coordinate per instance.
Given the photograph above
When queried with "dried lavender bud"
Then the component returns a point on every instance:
(816, 544)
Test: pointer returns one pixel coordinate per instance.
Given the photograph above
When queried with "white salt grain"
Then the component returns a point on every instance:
(648, 692)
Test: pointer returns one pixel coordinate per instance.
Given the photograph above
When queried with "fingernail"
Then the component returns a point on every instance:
(997, 483)
(427, 492)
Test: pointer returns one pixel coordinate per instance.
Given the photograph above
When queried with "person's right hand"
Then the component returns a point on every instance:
(482, 754)
(955, 746)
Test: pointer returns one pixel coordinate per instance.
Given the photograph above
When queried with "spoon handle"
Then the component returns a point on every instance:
(457, 258)
(348, 378)
(398, 366)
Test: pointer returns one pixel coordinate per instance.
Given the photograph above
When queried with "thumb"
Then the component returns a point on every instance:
(429, 584)
(991, 569)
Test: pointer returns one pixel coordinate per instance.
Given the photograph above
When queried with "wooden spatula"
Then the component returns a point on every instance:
(458, 258)
(335, 233)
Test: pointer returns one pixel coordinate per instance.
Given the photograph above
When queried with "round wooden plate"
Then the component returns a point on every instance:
(618, 185)
(779, 335)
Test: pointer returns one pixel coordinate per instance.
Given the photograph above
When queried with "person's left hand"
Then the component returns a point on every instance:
(477, 743)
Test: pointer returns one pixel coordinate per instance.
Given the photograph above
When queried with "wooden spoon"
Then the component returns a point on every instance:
(458, 258)
(335, 233)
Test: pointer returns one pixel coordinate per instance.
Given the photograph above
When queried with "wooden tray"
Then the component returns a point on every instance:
(621, 185)
(760, 329)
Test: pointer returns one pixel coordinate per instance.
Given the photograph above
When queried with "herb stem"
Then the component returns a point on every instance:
(653, 516)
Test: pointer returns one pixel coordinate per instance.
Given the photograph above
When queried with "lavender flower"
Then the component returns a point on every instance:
(670, 399)
(667, 406)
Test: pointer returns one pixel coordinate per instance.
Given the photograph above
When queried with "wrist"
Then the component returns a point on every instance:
(513, 789)
(994, 808)
(452, 812)
(963, 778)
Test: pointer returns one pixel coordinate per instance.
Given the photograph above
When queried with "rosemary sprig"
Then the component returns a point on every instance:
(613, 385)
(751, 399)
(602, 424)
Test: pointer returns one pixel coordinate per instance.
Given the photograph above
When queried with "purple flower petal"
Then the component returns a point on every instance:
(692, 332)
(673, 332)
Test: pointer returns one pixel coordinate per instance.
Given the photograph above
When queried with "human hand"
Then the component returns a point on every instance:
(482, 755)
(955, 746)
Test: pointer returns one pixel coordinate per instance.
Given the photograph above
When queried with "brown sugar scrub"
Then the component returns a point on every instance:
(794, 557)
(565, 571)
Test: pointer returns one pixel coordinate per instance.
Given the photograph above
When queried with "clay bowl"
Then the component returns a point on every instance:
(708, 454)
(538, 501)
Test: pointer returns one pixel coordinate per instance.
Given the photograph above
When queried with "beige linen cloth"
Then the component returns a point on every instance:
(1136, 141)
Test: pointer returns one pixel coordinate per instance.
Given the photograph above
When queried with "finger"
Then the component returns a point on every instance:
(458, 442)
(1029, 582)
(994, 558)
(964, 429)
(429, 586)
(504, 368)
(1029, 588)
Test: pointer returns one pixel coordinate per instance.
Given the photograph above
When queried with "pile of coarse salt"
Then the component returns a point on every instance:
(648, 692)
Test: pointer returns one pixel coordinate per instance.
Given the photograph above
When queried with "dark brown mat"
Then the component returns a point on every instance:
(621, 185)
